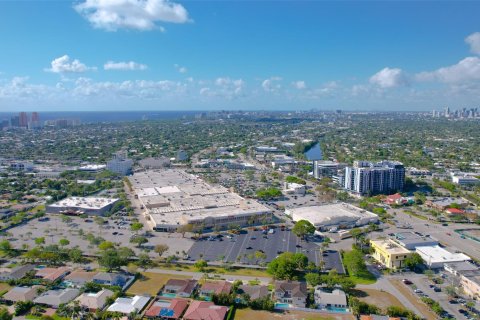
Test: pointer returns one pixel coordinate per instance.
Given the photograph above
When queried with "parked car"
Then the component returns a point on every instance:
(406, 281)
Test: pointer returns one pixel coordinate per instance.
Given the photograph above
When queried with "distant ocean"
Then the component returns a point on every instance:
(107, 116)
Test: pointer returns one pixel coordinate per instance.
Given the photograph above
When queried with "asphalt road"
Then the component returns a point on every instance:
(444, 234)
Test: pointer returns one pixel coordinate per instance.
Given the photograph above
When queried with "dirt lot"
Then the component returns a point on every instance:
(152, 283)
(423, 308)
(381, 299)
(247, 314)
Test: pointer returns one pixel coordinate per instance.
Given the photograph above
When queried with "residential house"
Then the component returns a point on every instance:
(167, 310)
(398, 199)
(454, 212)
(210, 288)
(444, 203)
(291, 292)
(15, 273)
(22, 294)
(129, 305)
(180, 287)
(329, 300)
(79, 277)
(112, 279)
(202, 310)
(52, 274)
(54, 298)
(254, 292)
(94, 301)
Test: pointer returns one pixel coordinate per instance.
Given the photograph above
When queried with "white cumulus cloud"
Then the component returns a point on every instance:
(389, 78)
(299, 84)
(465, 70)
(271, 84)
(112, 15)
(473, 41)
(180, 68)
(124, 66)
(64, 64)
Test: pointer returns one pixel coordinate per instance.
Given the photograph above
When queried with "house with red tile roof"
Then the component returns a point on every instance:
(52, 274)
(210, 288)
(167, 310)
(454, 211)
(201, 310)
(398, 199)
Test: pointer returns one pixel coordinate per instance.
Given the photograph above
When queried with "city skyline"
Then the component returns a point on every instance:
(160, 55)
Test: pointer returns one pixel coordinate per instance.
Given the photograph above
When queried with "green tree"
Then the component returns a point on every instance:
(144, 260)
(40, 240)
(139, 240)
(201, 265)
(4, 315)
(75, 255)
(161, 249)
(105, 245)
(136, 226)
(303, 228)
(6, 247)
(113, 259)
(313, 279)
(269, 193)
(451, 291)
(413, 261)
(63, 242)
(22, 307)
(285, 265)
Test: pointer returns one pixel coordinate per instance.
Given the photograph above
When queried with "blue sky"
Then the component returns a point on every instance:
(276, 55)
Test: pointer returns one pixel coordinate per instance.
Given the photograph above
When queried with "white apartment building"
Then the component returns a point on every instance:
(120, 164)
(374, 178)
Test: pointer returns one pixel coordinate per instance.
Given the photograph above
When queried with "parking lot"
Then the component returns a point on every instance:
(247, 248)
(79, 232)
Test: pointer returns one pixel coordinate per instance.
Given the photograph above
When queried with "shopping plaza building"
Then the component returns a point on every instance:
(173, 198)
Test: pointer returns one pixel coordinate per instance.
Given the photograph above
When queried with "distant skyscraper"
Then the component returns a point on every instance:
(23, 119)
(375, 178)
(34, 121)
(15, 121)
(35, 117)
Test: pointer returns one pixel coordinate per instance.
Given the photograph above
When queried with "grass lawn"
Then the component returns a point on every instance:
(235, 271)
(4, 287)
(152, 283)
(362, 276)
(364, 279)
(247, 314)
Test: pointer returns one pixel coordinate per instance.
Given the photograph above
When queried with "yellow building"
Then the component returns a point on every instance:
(389, 253)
